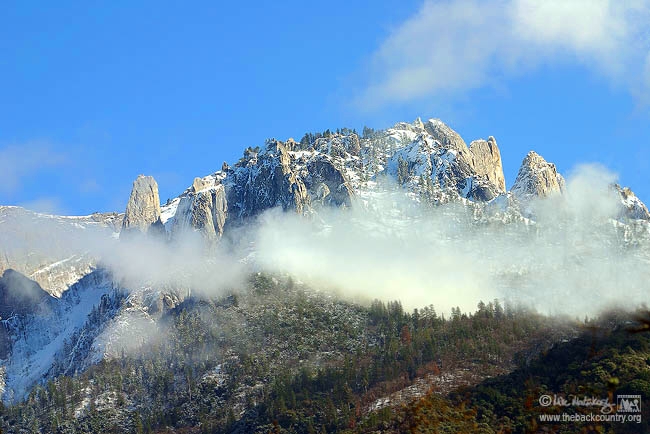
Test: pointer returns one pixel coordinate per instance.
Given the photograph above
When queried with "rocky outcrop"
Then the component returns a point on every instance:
(437, 163)
(202, 183)
(448, 138)
(326, 183)
(631, 206)
(265, 180)
(287, 175)
(481, 161)
(143, 209)
(204, 208)
(429, 159)
(537, 178)
(486, 161)
(327, 169)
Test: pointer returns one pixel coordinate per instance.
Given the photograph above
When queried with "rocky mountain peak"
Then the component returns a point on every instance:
(329, 169)
(204, 208)
(436, 161)
(486, 161)
(448, 138)
(633, 208)
(267, 181)
(202, 183)
(537, 178)
(143, 209)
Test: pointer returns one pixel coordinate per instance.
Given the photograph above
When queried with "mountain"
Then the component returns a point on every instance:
(151, 289)
(430, 160)
(537, 178)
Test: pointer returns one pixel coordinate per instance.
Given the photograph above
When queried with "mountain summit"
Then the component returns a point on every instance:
(429, 160)
(537, 178)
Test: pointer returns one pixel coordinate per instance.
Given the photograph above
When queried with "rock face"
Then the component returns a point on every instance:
(293, 176)
(289, 175)
(19, 296)
(439, 163)
(266, 179)
(537, 178)
(204, 208)
(448, 138)
(486, 161)
(326, 183)
(632, 207)
(329, 169)
(143, 209)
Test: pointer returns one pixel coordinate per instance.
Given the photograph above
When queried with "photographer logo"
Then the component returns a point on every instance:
(628, 403)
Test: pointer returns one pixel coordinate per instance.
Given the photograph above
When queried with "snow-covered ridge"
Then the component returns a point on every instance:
(52, 249)
(429, 159)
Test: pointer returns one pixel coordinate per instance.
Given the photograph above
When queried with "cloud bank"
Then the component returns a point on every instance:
(186, 263)
(572, 260)
(459, 45)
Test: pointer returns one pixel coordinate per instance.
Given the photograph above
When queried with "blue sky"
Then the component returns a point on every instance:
(93, 95)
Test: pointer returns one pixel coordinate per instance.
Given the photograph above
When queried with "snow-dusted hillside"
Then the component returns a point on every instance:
(52, 250)
(42, 335)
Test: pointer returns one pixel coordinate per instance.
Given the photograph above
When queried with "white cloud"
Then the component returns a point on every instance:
(459, 45)
(18, 162)
(390, 248)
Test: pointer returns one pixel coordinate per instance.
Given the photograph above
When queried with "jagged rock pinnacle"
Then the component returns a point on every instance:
(143, 209)
(632, 206)
(537, 177)
(486, 161)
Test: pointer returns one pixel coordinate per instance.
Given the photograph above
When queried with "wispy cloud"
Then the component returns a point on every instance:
(458, 45)
(391, 248)
(20, 162)
(47, 205)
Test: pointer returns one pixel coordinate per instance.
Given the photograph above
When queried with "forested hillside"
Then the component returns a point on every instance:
(279, 356)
